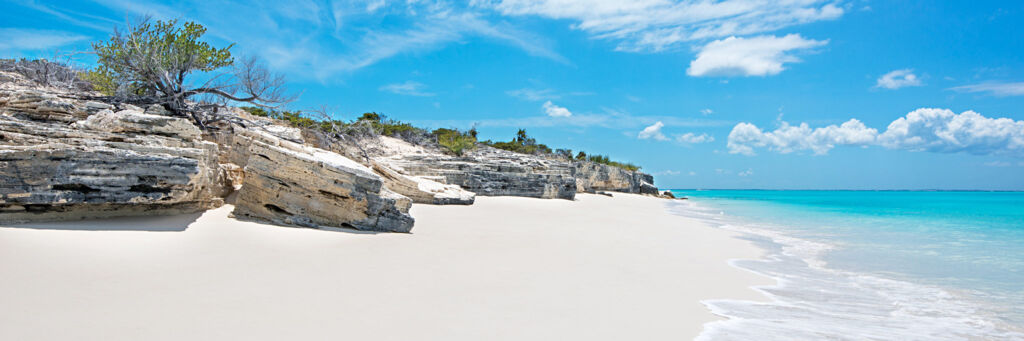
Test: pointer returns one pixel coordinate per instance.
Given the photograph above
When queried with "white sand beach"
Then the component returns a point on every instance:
(506, 268)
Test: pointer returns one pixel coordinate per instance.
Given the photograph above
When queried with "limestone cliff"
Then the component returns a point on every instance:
(66, 159)
(592, 177)
(484, 171)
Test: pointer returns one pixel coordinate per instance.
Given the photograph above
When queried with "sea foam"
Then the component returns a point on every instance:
(811, 301)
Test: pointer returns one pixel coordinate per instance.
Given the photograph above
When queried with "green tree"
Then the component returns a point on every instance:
(155, 59)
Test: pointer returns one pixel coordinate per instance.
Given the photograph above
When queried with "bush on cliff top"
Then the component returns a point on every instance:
(153, 60)
(455, 141)
(521, 143)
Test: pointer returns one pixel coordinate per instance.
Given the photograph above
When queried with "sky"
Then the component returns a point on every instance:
(788, 94)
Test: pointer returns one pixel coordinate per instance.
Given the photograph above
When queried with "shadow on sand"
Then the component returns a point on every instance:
(167, 223)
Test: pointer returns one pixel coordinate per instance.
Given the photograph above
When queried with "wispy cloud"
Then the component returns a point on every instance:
(18, 40)
(409, 88)
(658, 25)
(898, 79)
(86, 20)
(691, 138)
(534, 95)
(994, 88)
(608, 118)
(309, 39)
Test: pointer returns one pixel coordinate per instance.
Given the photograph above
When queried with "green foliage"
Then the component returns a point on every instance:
(602, 159)
(101, 80)
(154, 57)
(388, 127)
(581, 156)
(522, 143)
(370, 116)
(455, 141)
(293, 118)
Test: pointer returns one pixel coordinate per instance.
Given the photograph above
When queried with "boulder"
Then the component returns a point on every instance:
(287, 183)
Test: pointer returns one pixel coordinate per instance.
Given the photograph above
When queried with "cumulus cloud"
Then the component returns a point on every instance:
(555, 111)
(655, 25)
(942, 130)
(756, 56)
(787, 138)
(653, 132)
(747, 172)
(706, 112)
(932, 130)
(995, 89)
(898, 79)
(409, 88)
(691, 138)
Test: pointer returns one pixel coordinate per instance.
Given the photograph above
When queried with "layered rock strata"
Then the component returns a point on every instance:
(107, 164)
(485, 171)
(592, 177)
(288, 183)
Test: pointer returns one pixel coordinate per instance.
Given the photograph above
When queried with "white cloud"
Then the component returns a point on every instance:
(706, 112)
(692, 173)
(898, 79)
(653, 132)
(756, 56)
(942, 130)
(667, 172)
(16, 40)
(932, 130)
(691, 138)
(787, 139)
(409, 88)
(995, 89)
(533, 94)
(747, 172)
(555, 111)
(998, 164)
(310, 40)
(654, 25)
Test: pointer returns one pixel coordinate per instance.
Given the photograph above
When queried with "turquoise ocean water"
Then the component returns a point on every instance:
(890, 265)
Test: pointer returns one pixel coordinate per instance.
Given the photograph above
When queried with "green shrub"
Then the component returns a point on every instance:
(602, 159)
(522, 143)
(455, 141)
(293, 118)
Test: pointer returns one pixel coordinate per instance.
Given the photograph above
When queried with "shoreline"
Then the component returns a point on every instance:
(812, 299)
(504, 268)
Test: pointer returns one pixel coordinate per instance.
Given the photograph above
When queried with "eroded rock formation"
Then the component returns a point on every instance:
(107, 163)
(592, 177)
(288, 183)
(484, 171)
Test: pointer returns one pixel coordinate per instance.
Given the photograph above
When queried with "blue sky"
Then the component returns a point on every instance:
(703, 94)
